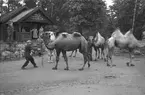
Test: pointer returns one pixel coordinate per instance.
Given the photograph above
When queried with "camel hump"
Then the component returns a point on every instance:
(76, 34)
(64, 34)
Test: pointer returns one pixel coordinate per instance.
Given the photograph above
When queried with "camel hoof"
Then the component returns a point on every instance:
(113, 65)
(105, 60)
(89, 65)
(66, 68)
(74, 56)
(132, 65)
(127, 64)
(54, 68)
(81, 69)
(108, 65)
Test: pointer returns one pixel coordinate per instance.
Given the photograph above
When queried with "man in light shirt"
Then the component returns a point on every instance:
(34, 33)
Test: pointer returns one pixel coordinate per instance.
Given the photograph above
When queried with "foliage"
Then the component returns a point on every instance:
(9, 5)
(30, 3)
(123, 12)
(86, 13)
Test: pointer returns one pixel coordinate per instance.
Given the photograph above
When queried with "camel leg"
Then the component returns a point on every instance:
(96, 54)
(112, 51)
(57, 59)
(107, 60)
(99, 53)
(85, 61)
(71, 53)
(54, 52)
(130, 62)
(51, 55)
(75, 53)
(66, 60)
(100, 49)
(109, 56)
(103, 54)
(88, 59)
(90, 54)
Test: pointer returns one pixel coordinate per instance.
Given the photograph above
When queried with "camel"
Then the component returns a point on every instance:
(51, 36)
(67, 42)
(98, 44)
(127, 41)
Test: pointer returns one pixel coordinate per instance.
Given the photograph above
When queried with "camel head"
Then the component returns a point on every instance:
(48, 35)
(48, 39)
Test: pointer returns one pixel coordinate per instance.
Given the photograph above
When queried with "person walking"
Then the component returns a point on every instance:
(28, 55)
(41, 30)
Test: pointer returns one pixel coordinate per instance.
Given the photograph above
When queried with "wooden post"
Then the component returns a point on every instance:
(19, 31)
(134, 15)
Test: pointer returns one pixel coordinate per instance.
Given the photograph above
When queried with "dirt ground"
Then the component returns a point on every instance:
(96, 80)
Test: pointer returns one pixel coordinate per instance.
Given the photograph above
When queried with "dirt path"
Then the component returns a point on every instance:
(98, 79)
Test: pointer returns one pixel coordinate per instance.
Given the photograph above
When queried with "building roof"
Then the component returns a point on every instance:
(4, 18)
(20, 15)
(28, 13)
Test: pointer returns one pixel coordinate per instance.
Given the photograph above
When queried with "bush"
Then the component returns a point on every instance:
(15, 50)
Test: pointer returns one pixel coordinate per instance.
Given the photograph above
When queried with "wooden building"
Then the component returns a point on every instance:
(24, 20)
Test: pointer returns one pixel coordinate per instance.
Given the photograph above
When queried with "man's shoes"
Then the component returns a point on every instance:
(23, 68)
(35, 66)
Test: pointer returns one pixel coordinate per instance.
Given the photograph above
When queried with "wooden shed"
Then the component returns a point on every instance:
(23, 18)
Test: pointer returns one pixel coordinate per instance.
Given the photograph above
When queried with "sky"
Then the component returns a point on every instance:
(109, 2)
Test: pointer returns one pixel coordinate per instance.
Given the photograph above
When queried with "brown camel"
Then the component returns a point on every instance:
(98, 44)
(67, 42)
(127, 41)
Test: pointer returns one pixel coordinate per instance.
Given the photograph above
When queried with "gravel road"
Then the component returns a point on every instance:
(96, 80)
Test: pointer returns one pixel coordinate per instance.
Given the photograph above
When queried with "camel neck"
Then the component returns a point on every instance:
(48, 44)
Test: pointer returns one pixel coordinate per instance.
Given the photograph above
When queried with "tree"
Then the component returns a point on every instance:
(30, 3)
(86, 13)
(10, 5)
(123, 11)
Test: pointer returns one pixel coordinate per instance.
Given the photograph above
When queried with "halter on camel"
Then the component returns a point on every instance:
(98, 44)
